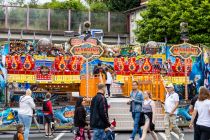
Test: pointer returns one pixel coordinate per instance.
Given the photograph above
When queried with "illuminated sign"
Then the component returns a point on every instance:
(79, 41)
(185, 50)
(87, 49)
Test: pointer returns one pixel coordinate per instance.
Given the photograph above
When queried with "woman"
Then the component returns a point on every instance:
(148, 110)
(25, 112)
(48, 115)
(109, 81)
(80, 118)
(202, 107)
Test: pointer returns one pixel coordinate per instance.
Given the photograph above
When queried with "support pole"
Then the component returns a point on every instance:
(87, 79)
(186, 81)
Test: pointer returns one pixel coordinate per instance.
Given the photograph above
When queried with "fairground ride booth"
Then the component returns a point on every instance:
(67, 70)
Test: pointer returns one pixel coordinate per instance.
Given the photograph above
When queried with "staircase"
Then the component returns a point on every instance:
(120, 111)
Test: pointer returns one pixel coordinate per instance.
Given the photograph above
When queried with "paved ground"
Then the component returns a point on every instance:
(66, 135)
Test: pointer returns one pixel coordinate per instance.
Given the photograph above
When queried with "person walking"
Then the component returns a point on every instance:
(136, 100)
(109, 81)
(202, 107)
(80, 118)
(25, 111)
(48, 115)
(191, 108)
(171, 105)
(99, 119)
(148, 110)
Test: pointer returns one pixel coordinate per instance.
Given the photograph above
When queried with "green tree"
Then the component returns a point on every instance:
(33, 4)
(99, 6)
(68, 4)
(16, 2)
(162, 20)
(122, 5)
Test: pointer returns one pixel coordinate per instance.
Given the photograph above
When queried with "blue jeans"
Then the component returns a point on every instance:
(98, 134)
(26, 121)
(136, 117)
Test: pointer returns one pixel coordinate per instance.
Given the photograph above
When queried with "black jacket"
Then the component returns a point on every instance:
(80, 117)
(99, 112)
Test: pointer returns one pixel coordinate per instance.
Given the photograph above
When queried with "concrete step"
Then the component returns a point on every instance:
(119, 105)
(119, 111)
(123, 124)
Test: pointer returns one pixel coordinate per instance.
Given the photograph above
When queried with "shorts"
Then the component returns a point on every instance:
(48, 118)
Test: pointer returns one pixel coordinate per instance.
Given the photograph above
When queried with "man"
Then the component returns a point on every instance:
(108, 81)
(136, 100)
(99, 119)
(98, 69)
(171, 105)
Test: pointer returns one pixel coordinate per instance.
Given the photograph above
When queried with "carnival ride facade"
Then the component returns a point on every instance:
(52, 68)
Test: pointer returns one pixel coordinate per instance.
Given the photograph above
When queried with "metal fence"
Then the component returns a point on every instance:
(60, 20)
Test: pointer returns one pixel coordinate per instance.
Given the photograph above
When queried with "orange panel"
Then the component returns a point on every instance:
(92, 86)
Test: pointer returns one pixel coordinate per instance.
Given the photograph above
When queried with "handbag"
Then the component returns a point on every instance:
(79, 135)
(142, 119)
(110, 135)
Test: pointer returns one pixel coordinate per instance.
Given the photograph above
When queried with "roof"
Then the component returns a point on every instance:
(143, 6)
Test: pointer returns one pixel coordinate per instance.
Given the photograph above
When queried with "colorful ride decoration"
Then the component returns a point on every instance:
(40, 70)
(147, 66)
(29, 62)
(16, 62)
(75, 63)
(131, 66)
(60, 63)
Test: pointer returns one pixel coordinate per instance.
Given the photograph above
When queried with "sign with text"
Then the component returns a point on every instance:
(185, 50)
(87, 49)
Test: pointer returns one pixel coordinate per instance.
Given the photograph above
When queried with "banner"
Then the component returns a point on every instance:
(64, 116)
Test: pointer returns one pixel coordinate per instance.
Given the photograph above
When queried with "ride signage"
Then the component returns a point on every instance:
(185, 50)
(87, 49)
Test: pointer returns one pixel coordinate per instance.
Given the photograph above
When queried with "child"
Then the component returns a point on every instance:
(19, 134)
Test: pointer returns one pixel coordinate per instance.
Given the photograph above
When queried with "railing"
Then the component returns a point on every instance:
(151, 82)
(60, 20)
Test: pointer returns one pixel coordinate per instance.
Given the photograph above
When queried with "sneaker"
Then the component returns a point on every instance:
(46, 136)
(51, 136)
(181, 137)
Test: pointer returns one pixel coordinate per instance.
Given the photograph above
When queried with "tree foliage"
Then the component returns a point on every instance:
(68, 4)
(122, 5)
(98, 6)
(117, 5)
(162, 20)
(33, 3)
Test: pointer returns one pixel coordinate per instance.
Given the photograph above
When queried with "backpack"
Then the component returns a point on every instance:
(15, 137)
(45, 107)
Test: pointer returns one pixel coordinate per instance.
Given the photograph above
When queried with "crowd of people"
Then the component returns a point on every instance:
(142, 108)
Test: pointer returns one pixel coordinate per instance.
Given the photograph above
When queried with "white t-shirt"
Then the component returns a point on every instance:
(109, 78)
(170, 102)
(203, 108)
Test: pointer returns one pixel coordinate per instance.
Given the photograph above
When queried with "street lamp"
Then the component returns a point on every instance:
(184, 31)
(184, 37)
